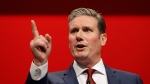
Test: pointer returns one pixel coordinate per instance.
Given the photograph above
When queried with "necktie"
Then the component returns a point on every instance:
(90, 79)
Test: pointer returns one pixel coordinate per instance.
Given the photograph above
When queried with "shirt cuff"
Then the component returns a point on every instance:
(38, 72)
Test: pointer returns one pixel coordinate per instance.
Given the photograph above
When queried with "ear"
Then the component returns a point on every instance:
(103, 39)
(69, 45)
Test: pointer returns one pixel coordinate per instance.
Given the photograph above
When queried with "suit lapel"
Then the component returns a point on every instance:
(112, 77)
(70, 76)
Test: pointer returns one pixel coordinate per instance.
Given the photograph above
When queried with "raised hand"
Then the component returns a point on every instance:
(40, 46)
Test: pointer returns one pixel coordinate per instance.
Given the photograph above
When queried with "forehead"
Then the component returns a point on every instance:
(83, 20)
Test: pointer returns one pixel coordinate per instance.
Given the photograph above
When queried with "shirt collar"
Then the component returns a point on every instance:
(99, 67)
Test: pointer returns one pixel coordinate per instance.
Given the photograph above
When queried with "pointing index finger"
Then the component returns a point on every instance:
(34, 29)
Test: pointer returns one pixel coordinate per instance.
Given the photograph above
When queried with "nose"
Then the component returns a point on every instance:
(79, 36)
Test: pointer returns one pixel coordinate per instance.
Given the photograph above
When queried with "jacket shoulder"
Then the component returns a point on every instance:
(125, 73)
(125, 76)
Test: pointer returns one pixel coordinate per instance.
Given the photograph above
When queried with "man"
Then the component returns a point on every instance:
(86, 36)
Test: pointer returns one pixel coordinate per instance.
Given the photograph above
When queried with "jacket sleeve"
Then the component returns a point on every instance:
(44, 80)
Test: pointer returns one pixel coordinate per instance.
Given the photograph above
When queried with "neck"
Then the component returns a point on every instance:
(89, 63)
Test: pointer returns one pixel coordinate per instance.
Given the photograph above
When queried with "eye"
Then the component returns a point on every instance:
(74, 30)
(87, 30)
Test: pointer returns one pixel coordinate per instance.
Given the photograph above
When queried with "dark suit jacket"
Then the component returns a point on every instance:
(69, 77)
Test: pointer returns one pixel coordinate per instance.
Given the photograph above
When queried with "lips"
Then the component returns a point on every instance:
(80, 46)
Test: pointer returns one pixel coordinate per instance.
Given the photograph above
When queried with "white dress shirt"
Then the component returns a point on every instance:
(38, 73)
(99, 76)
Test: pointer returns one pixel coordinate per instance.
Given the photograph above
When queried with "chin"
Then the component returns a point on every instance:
(81, 57)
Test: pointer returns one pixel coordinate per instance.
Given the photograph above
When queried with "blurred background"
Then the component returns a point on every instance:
(128, 31)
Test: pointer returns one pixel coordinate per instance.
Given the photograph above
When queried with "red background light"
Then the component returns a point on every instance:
(127, 47)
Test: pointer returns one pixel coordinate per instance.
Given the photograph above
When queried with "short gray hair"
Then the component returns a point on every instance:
(90, 12)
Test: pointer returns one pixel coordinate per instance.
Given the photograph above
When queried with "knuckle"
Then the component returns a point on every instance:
(31, 43)
(40, 36)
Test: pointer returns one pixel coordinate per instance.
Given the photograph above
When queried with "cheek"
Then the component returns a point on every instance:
(92, 39)
(71, 39)
(71, 44)
(93, 42)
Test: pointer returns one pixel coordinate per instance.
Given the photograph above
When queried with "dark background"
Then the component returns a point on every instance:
(65, 6)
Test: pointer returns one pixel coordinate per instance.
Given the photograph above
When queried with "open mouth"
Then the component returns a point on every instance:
(80, 46)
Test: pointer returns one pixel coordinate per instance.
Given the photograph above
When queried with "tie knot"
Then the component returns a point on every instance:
(90, 71)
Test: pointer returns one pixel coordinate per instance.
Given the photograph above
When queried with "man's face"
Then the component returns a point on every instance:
(85, 39)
